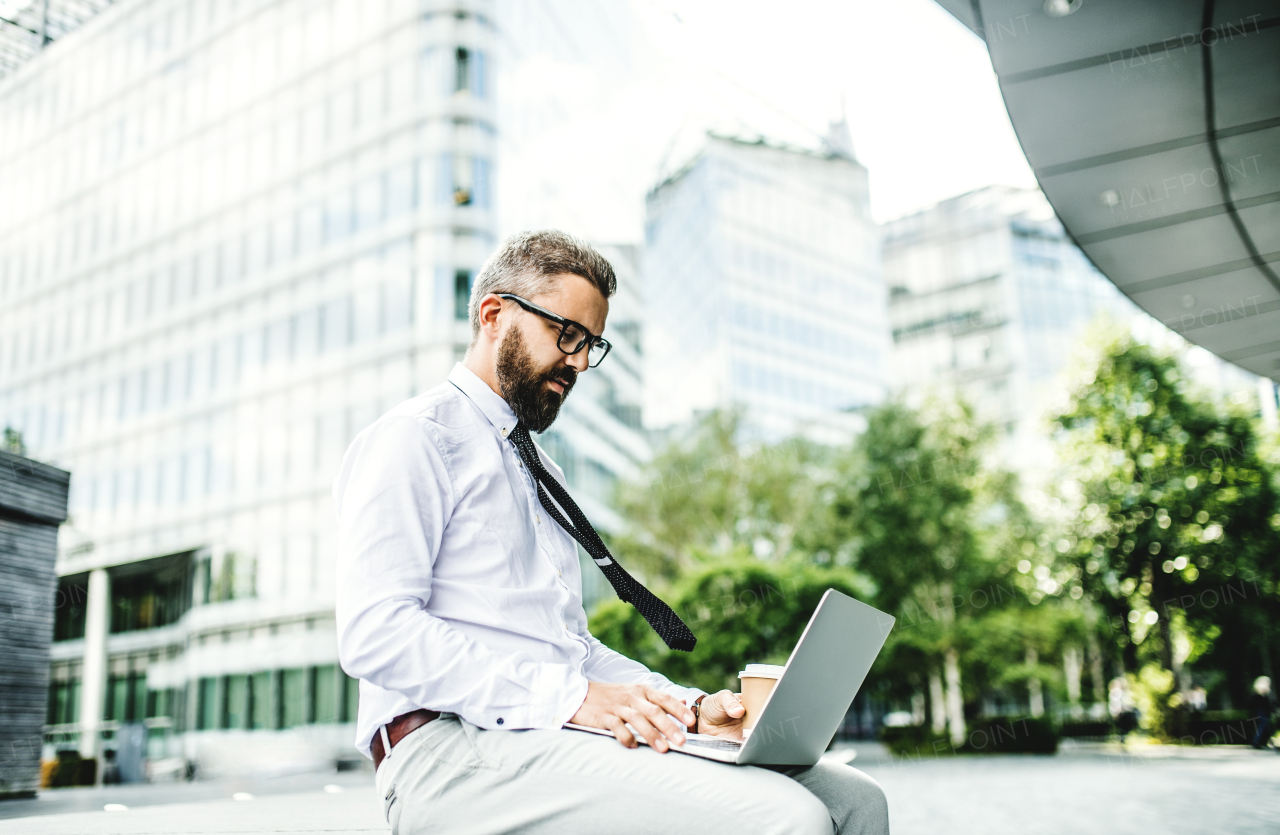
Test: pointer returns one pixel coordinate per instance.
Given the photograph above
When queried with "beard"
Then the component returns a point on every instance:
(525, 388)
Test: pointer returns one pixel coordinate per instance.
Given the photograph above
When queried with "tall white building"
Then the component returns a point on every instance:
(231, 235)
(763, 288)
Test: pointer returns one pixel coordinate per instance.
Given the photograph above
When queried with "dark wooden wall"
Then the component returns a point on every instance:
(33, 502)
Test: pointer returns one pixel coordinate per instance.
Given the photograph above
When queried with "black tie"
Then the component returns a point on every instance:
(659, 615)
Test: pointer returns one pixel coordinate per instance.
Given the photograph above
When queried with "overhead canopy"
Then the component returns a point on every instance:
(1153, 127)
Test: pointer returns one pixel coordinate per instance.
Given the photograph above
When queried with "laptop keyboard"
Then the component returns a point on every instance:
(703, 741)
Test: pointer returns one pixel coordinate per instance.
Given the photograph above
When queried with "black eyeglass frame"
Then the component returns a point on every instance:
(588, 342)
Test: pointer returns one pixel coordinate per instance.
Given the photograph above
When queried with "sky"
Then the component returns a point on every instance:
(604, 118)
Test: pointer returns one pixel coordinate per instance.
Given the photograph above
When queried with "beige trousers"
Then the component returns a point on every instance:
(451, 777)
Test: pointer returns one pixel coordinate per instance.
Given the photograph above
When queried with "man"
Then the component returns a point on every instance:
(1262, 705)
(459, 607)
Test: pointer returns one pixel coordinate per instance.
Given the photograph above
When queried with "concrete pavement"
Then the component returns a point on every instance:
(1083, 789)
(1086, 789)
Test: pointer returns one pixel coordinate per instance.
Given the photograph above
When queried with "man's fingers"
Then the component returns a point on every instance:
(658, 717)
(731, 704)
(615, 723)
(670, 704)
(645, 728)
(722, 707)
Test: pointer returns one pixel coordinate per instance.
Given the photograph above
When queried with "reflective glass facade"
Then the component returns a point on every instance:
(763, 288)
(232, 235)
(988, 297)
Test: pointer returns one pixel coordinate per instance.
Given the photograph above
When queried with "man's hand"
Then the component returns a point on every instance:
(612, 706)
(720, 714)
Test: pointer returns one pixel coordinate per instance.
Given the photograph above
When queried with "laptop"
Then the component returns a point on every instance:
(823, 674)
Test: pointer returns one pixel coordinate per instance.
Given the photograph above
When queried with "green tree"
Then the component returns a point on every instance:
(708, 495)
(743, 610)
(936, 531)
(1173, 503)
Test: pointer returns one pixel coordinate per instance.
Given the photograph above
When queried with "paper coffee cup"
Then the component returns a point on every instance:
(758, 681)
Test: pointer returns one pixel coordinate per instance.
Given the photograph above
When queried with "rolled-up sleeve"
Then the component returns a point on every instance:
(394, 497)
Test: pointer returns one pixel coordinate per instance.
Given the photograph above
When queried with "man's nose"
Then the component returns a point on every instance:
(578, 362)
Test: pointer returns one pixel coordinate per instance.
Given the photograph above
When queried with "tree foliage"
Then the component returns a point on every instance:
(1174, 508)
(938, 529)
(708, 495)
(1169, 501)
(743, 611)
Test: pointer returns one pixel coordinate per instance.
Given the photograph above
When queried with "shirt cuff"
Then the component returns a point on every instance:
(574, 695)
(688, 695)
(556, 693)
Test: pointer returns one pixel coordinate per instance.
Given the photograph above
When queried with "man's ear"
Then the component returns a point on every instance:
(490, 307)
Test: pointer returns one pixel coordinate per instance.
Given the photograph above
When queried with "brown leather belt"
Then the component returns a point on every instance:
(398, 729)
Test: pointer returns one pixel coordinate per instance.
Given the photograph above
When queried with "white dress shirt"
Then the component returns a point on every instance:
(456, 592)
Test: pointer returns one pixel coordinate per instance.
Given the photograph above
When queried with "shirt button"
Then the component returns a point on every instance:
(499, 720)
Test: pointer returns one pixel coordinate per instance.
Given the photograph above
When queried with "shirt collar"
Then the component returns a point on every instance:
(486, 399)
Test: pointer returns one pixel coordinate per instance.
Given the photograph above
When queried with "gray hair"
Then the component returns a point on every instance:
(526, 263)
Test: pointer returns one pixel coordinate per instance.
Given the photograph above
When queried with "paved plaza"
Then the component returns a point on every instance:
(1082, 790)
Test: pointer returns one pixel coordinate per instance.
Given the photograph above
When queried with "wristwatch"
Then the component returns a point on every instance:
(697, 711)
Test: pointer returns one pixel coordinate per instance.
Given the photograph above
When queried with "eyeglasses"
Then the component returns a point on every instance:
(573, 337)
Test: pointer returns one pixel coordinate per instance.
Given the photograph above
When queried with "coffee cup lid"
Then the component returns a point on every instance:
(763, 671)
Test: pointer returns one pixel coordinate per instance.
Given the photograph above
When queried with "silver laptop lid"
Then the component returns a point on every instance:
(823, 674)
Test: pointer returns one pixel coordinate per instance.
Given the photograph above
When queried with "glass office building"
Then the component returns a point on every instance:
(556, 63)
(763, 289)
(233, 233)
(988, 299)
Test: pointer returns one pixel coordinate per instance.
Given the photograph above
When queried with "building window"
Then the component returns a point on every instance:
(207, 707)
(126, 698)
(461, 294)
(232, 577)
(69, 609)
(324, 689)
(462, 71)
(350, 698)
(335, 324)
(470, 73)
(401, 195)
(463, 181)
(235, 712)
(261, 701)
(64, 702)
(480, 180)
(161, 703)
(149, 600)
(293, 697)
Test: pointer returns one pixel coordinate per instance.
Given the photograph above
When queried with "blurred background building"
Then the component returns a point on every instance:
(987, 297)
(238, 234)
(233, 235)
(740, 243)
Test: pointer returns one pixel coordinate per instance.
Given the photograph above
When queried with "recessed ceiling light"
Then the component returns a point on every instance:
(1061, 8)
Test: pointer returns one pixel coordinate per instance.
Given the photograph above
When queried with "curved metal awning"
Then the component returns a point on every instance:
(1153, 127)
